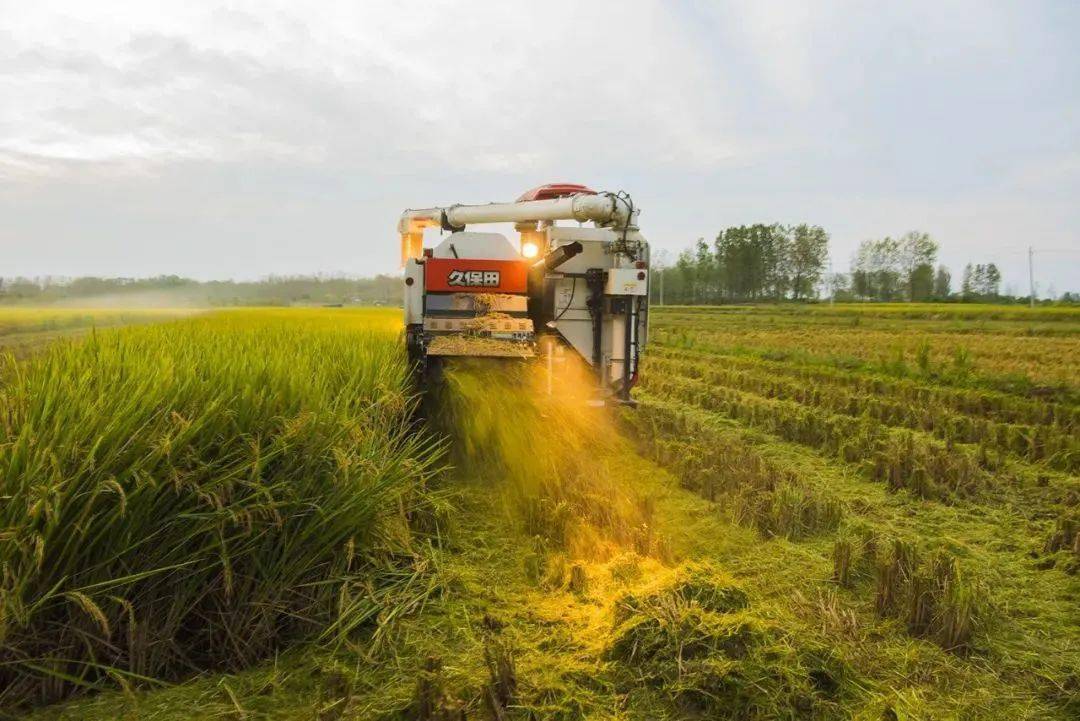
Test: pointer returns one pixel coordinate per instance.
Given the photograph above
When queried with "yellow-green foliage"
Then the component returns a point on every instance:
(189, 495)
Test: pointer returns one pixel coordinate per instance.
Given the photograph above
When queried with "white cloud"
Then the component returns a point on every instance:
(782, 36)
(508, 84)
(243, 137)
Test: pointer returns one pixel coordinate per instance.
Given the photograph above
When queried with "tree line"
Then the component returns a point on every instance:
(176, 290)
(754, 263)
(747, 263)
(750, 263)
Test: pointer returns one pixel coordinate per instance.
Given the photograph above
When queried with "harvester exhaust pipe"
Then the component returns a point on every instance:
(540, 309)
(557, 257)
(548, 263)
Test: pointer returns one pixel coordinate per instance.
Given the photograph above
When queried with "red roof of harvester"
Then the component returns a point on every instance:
(554, 190)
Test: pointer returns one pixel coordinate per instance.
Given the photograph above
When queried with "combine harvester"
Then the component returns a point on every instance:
(566, 291)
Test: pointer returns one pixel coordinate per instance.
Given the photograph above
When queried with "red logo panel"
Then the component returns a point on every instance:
(475, 275)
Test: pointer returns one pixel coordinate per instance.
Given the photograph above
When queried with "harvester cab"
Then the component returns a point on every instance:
(564, 291)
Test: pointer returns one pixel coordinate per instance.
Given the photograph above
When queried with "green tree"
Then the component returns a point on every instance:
(991, 281)
(967, 285)
(942, 283)
(686, 272)
(707, 273)
(981, 281)
(921, 283)
(877, 270)
(840, 286)
(808, 252)
(741, 259)
(916, 253)
(776, 249)
(23, 289)
(978, 280)
(754, 262)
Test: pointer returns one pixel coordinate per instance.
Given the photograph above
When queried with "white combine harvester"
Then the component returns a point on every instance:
(564, 289)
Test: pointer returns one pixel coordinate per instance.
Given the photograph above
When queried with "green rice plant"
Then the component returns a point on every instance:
(922, 358)
(548, 456)
(958, 605)
(1017, 366)
(25, 331)
(697, 584)
(501, 690)
(921, 605)
(896, 365)
(792, 511)
(547, 518)
(432, 701)
(196, 494)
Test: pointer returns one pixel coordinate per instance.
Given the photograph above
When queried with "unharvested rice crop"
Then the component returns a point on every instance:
(190, 495)
(24, 330)
(32, 320)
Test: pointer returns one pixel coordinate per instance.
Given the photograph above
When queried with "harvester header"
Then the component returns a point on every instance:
(563, 292)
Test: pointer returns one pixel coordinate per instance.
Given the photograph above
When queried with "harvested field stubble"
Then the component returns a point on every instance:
(965, 417)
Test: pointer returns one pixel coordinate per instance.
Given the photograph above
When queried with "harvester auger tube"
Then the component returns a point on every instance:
(565, 293)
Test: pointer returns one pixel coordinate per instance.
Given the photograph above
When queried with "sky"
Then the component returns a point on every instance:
(243, 139)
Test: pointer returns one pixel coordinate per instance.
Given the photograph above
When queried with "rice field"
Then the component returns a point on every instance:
(864, 512)
(190, 495)
(15, 319)
(26, 329)
(926, 459)
(1030, 352)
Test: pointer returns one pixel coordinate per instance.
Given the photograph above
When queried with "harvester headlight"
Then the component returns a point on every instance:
(530, 249)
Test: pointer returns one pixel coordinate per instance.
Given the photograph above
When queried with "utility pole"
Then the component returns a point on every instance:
(662, 269)
(1031, 275)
